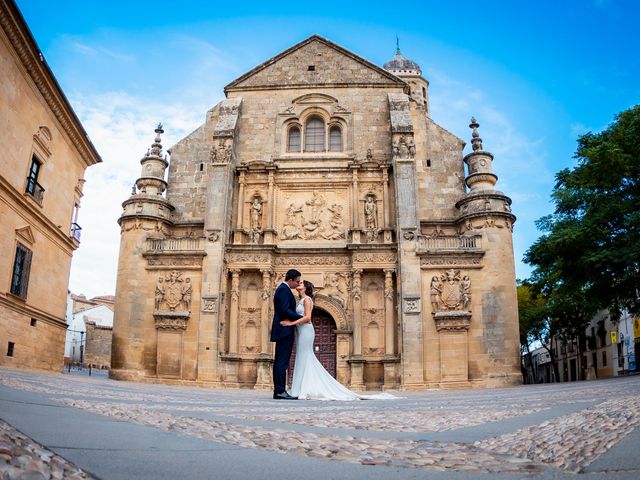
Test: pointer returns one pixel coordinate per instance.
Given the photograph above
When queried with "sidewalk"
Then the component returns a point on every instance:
(121, 430)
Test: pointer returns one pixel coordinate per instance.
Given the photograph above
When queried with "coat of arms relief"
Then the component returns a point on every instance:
(173, 292)
(450, 292)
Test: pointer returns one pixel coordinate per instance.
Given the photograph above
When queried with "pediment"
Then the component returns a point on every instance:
(314, 99)
(25, 234)
(311, 63)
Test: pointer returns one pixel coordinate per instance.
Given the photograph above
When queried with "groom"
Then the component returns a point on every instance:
(284, 308)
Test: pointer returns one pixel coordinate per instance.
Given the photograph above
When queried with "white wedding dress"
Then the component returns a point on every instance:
(310, 379)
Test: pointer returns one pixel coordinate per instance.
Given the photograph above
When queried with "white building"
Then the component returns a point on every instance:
(75, 343)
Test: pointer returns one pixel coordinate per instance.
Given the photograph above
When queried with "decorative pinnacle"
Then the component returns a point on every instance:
(476, 141)
(156, 146)
(397, 45)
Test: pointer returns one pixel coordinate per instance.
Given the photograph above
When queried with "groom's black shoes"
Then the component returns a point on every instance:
(283, 396)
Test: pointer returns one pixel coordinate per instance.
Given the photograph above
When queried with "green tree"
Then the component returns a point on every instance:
(537, 326)
(589, 255)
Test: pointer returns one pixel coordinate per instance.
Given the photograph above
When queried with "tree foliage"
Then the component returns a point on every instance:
(589, 255)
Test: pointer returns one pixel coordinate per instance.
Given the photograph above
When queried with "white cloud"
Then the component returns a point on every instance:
(121, 127)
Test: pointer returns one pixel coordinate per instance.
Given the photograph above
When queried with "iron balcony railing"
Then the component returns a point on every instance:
(76, 230)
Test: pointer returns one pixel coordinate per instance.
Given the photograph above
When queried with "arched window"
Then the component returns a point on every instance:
(293, 142)
(314, 135)
(335, 139)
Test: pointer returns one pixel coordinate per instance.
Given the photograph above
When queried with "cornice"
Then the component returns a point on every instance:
(26, 49)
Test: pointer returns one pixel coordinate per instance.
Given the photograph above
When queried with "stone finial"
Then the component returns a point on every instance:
(397, 45)
(476, 141)
(156, 147)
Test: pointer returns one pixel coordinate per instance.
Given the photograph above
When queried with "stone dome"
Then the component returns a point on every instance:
(401, 64)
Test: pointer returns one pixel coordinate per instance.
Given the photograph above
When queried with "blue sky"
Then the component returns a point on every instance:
(535, 74)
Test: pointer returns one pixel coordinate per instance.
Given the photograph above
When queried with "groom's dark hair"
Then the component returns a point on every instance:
(292, 275)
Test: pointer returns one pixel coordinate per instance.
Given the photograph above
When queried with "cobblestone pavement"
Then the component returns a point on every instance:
(528, 430)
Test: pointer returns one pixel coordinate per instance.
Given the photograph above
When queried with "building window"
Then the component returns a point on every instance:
(335, 139)
(10, 349)
(33, 187)
(604, 359)
(33, 322)
(293, 140)
(314, 135)
(21, 268)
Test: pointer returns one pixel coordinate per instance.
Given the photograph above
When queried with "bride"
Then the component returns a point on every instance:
(310, 379)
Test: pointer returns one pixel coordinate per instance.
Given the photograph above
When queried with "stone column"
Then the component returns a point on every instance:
(385, 196)
(264, 360)
(266, 297)
(270, 214)
(390, 359)
(355, 207)
(389, 337)
(234, 310)
(356, 360)
(237, 233)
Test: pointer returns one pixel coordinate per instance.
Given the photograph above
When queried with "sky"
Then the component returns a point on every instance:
(536, 75)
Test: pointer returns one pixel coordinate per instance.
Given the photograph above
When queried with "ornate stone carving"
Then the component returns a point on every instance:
(173, 292)
(213, 235)
(210, 304)
(311, 260)
(375, 258)
(185, 261)
(356, 284)
(412, 305)
(235, 284)
(171, 320)
(222, 153)
(337, 286)
(450, 291)
(404, 148)
(248, 257)
(471, 260)
(388, 284)
(315, 219)
(452, 321)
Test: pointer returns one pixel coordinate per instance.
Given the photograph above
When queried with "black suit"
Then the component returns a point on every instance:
(284, 308)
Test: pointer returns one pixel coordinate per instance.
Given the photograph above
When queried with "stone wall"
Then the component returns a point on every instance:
(97, 351)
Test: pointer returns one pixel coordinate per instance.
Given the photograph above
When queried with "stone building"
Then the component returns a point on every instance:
(320, 160)
(45, 152)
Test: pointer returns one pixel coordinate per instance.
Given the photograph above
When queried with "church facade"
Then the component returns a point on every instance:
(322, 161)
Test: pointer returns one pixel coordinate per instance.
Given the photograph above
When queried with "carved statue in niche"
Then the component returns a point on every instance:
(255, 217)
(371, 218)
(173, 292)
(450, 292)
(291, 228)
